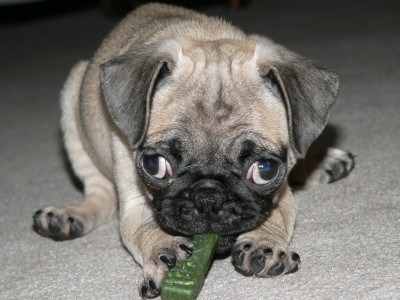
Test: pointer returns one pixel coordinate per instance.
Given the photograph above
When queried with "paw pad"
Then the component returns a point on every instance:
(160, 260)
(56, 224)
(169, 261)
(264, 259)
(187, 249)
(149, 290)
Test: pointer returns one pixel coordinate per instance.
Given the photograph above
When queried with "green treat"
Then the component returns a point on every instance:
(185, 280)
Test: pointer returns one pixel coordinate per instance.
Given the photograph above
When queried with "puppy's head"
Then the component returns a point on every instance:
(216, 126)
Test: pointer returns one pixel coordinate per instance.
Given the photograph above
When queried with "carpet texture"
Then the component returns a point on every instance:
(347, 233)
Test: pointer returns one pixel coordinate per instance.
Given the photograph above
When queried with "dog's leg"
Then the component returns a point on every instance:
(100, 197)
(154, 249)
(328, 167)
(265, 251)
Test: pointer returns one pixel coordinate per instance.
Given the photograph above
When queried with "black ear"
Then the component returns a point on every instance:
(129, 82)
(309, 92)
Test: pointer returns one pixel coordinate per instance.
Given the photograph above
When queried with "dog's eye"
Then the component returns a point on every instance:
(157, 166)
(263, 171)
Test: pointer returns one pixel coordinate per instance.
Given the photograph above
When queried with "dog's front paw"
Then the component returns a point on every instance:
(163, 258)
(57, 223)
(264, 258)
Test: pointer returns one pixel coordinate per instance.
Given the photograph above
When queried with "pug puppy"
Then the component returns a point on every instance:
(193, 127)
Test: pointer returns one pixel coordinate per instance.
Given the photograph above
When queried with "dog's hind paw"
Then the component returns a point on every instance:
(332, 165)
(57, 223)
(336, 165)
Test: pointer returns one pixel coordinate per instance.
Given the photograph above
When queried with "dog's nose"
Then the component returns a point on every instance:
(208, 196)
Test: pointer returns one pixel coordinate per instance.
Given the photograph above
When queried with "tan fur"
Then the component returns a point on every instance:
(100, 196)
(215, 85)
(229, 64)
(210, 49)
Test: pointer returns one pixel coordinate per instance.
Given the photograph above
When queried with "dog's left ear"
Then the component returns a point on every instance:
(129, 82)
(308, 90)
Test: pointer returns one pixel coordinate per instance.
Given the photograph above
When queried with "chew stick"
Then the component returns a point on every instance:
(186, 279)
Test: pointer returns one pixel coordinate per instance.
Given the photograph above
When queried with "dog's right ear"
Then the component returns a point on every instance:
(129, 82)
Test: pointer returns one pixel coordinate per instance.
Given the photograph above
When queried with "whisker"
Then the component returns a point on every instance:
(274, 233)
(144, 225)
(283, 218)
(289, 237)
(294, 207)
(150, 233)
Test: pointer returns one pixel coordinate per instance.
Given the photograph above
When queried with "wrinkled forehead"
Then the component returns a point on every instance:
(217, 51)
(215, 92)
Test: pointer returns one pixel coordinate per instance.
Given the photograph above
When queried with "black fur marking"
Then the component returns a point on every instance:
(283, 153)
(128, 83)
(272, 82)
(309, 92)
(247, 151)
(175, 148)
(200, 110)
(222, 110)
(251, 150)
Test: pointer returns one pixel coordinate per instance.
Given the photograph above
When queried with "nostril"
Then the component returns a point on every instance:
(199, 202)
(199, 207)
(215, 209)
(217, 205)
(207, 201)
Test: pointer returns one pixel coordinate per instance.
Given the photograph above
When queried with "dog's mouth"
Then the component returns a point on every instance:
(228, 220)
(225, 244)
(210, 206)
(227, 225)
(223, 223)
